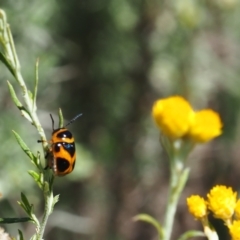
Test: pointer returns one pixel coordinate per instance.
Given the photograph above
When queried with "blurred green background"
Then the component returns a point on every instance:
(110, 60)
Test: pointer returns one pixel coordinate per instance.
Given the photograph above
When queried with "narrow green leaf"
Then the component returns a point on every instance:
(3, 20)
(14, 96)
(14, 220)
(23, 206)
(26, 114)
(35, 175)
(7, 63)
(191, 234)
(149, 219)
(26, 203)
(60, 115)
(12, 53)
(37, 178)
(37, 162)
(33, 216)
(19, 105)
(20, 235)
(32, 209)
(34, 219)
(55, 199)
(35, 86)
(24, 146)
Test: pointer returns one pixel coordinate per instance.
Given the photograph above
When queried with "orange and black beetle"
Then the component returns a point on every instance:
(61, 156)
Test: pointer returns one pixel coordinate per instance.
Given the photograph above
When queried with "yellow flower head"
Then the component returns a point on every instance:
(237, 210)
(222, 202)
(172, 115)
(197, 206)
(205, 126)
(234, 230)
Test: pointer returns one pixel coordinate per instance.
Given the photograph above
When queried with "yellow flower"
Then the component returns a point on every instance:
(234, 230)
(222, 202)
(237, 210)
(205, 126)
(172, 115)
(197, 206)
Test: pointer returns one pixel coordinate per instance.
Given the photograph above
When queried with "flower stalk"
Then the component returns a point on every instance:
(177, 182)
(181, 128)
(178, 178)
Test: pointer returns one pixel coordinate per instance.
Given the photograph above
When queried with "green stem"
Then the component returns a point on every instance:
(178, 180)
(46, 214)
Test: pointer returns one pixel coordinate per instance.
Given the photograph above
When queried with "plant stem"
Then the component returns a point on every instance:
(10, 58)
(47, 212)
(178, 179)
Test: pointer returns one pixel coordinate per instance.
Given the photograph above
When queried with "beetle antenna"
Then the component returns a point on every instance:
(75, 118)
(52, 121)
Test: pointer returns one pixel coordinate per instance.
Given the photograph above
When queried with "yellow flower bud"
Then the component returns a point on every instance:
(172, 115)
(222, 202)
(197, 206)
(206, 125)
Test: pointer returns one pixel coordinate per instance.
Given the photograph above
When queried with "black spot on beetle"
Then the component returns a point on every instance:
(69, 147)
(57, 147)
(65, 134)
(62, 164)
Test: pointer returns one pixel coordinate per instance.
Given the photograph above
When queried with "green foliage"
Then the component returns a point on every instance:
(149, 219)
(25, 148)
(43, 179)
(28, 208)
